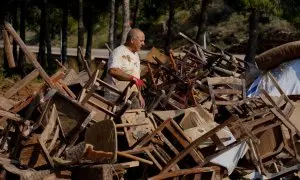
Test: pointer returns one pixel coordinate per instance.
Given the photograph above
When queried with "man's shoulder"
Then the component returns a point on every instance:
(120, 48)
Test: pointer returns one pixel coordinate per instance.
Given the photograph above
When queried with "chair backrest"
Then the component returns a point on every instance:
(103, 137)
(226, 91)
(52, 124)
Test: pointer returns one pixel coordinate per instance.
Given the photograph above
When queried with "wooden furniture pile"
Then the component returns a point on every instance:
(197, 115)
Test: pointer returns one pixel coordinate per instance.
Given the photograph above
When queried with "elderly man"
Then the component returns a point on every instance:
(124, 67)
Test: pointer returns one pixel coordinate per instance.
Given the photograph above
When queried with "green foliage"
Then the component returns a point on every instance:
(268, 6)
(291, 11)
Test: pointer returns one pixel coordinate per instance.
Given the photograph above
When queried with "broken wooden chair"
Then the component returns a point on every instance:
(213, 153)
(226, 91)
(53, 125)
(90, 98)
(172, 137)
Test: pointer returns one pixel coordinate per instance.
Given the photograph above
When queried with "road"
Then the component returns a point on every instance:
(96, 53)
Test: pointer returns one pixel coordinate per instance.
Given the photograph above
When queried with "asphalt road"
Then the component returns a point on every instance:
(96, 53)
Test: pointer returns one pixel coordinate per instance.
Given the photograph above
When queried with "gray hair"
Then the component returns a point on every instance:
(133, 34)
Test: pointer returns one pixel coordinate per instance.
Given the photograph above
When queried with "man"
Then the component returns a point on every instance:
(124, 67)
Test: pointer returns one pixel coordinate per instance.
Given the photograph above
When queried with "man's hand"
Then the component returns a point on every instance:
(138, 82)
(141, 99)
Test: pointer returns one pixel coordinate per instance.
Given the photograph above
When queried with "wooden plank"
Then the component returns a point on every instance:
(225, 80)
(138, 150)
(29, 55)
(21, 84)
(66, 89)
(217, 141)
(7, 104)
(228, 91)
(85, 63)
(8, 50)
(44, 137)
(117, 166)
(108, 86)
(150, 136)
(134, 158)
(19, 107)
(102, 109)
(228, 103)
(130, 125)
(11, 116)
(89, 94)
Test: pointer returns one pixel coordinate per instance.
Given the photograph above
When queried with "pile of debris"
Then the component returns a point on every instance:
(198, 123)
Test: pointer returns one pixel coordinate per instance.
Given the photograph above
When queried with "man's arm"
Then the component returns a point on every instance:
(119, 74)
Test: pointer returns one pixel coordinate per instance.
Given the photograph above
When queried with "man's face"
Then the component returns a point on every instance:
(138, 42)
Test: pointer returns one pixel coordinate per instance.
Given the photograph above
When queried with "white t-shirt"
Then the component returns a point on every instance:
(125, 60)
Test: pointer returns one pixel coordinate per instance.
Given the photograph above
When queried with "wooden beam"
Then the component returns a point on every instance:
(29, 55)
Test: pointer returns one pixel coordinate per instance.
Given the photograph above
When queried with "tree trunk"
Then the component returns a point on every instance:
(90, 26)
(202, 21)
(126, 20)
(15, 25)
(135, 13)
(112, 25)
(64, 34)
(252, 42)
(80, 32)
(169, 37)
(6, 16)
(116, 41)
(21, 60)
(50, 62)
(42, 44)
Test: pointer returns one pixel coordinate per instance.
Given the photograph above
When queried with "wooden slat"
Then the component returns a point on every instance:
(217, 141)
(138, 150)
(134, 158)
(153, 159)
(89, 94)
(22, 83)
(85, 63)
(130, 125)
(226, 103)
(11, 116)
(101, 108)
(168, 143)
(6, 104)
(102, 83)
(97, 96)
(225, 80)
(228, 91)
